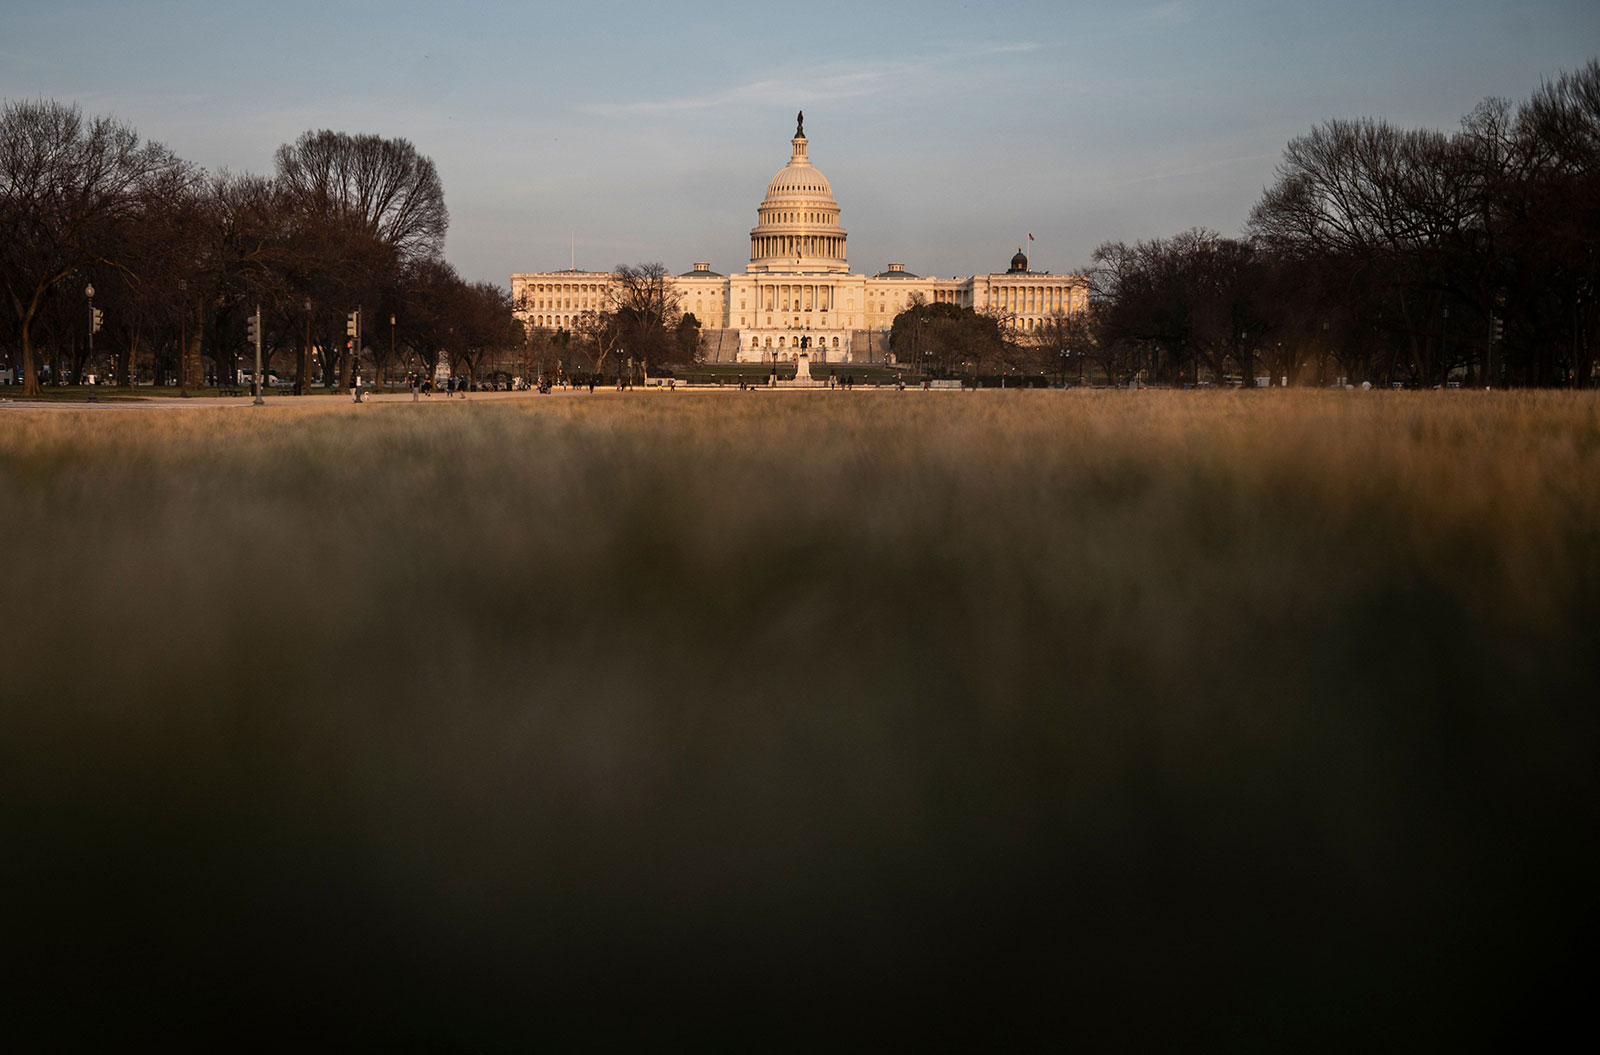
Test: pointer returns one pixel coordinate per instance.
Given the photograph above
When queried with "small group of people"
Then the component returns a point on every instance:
(420, 384)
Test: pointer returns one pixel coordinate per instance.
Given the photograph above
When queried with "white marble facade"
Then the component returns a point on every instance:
(798, 293)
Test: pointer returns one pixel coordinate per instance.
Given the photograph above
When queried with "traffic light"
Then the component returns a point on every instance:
(99, 317)
(1497, 328)
(352, 323)
(253, 329)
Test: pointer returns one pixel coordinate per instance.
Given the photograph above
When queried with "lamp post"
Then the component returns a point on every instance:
(183, 339)
(391, 345)
(88, 291)
(303, 386)
(256, 330)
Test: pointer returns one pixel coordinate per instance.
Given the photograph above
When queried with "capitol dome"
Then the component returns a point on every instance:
(798, 221)
(799, 178)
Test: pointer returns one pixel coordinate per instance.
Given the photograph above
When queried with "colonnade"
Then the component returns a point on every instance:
(788, 296)
(1046, 300)
(559, 304)
(826, 246)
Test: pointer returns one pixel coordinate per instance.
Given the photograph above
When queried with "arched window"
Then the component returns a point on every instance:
(780, 342)
(836, 342)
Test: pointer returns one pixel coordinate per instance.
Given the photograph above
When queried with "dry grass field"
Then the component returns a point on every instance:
(814, 720)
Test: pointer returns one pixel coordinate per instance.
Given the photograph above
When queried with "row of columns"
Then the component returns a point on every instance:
(829, 247)
(780, 296)
(1040, 299)
(562, 295)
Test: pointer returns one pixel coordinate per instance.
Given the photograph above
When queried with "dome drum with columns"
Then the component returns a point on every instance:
(797, 294)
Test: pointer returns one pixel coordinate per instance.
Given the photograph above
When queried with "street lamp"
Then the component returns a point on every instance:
(88, 291)
(255, 329)
(303, 384)
(183, 339)
(391, 346)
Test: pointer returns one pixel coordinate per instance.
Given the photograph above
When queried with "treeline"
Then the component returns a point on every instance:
(1385, 254)
(986, 347)
(179, 258)
(640, 327)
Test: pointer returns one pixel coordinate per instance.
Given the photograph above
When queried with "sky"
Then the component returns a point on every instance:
(625, 132)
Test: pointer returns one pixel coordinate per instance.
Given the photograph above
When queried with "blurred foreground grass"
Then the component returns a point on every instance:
(871, 720)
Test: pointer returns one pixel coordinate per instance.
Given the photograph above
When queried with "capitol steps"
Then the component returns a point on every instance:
(869, 346)
(719, 346)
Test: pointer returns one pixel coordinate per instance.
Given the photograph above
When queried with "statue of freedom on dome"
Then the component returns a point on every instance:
(800, 125)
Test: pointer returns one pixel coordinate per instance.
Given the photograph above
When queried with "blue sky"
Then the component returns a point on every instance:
(649, 130)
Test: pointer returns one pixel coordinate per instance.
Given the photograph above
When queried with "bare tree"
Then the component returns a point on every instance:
(598, 336)
(366, 191)
(66, 183)
(647, 310)
(381, 185)
(161, 255)
(1399, 203)
(1182, 304)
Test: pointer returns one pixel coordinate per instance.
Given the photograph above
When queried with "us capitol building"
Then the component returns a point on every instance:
(798, 285)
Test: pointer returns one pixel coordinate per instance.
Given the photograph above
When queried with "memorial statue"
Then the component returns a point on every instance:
(800, 125)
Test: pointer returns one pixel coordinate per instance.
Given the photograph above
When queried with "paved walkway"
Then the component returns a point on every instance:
(193, 402)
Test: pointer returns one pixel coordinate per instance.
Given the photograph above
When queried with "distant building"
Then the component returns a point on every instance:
(798, 293)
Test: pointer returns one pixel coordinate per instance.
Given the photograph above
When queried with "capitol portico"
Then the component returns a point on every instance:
(798, 293)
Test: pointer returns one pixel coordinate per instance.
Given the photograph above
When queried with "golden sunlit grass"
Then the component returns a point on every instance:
(677, 718)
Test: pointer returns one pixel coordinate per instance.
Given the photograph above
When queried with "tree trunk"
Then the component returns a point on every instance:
(30, 368)
(303, 367)
(192, 357)
(30, 372)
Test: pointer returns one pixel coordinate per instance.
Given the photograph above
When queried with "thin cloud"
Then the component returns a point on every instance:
(811, 90)
(1164, 16)
(823, 89)
(967, 50)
